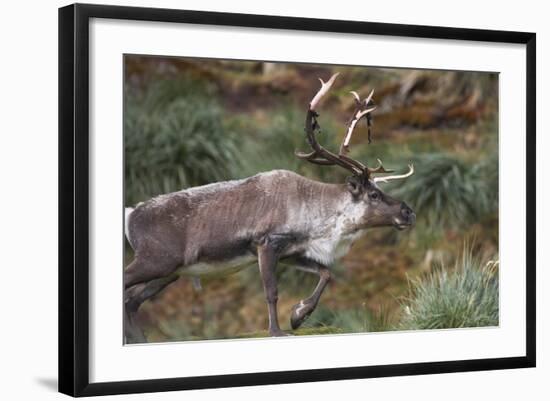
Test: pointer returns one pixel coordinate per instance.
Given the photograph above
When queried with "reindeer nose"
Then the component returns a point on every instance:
(407, 213)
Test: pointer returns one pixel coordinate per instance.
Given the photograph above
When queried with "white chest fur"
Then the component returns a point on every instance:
(337, 235)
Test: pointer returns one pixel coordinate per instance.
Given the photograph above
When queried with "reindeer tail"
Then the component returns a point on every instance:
(127, 213)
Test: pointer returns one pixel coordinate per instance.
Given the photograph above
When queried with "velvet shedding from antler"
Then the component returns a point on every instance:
(322, 156)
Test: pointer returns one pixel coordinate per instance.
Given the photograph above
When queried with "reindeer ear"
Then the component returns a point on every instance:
(355, 185)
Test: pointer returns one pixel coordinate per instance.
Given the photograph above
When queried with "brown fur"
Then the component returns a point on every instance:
(193, 226)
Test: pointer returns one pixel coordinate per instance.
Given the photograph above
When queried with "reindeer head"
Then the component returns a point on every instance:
(378, 208)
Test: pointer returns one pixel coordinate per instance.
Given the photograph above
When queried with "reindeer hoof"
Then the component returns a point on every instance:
(300, 312)
(278, 333)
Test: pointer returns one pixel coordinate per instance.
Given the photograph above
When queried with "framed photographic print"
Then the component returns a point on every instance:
(295, 199)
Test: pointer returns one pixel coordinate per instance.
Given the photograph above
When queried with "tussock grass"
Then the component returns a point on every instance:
(174, 137)
(447, 191)
(464, 296)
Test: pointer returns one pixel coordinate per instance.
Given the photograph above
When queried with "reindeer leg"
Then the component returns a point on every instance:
(132, 333)
(134, 297)
(145, 269)
(140, 293)
(302, 310)
(267, 261)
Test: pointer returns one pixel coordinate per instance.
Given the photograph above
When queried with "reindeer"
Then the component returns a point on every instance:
(272, 217)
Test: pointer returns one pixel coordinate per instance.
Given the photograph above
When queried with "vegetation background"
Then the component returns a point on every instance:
(191, 121)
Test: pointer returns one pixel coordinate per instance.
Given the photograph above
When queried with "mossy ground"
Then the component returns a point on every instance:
(305, 331)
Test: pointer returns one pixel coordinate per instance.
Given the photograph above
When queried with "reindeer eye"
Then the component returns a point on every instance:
(374, 195)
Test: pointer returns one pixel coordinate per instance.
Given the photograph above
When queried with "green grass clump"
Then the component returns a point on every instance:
(174, 137)
(447, 191)
(466, 296)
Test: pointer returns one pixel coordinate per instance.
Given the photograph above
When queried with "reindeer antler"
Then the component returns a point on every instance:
(389, 178)
(379, 169)
(361, 110)
(322, 156)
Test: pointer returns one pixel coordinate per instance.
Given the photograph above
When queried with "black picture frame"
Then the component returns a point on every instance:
(74, 202)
